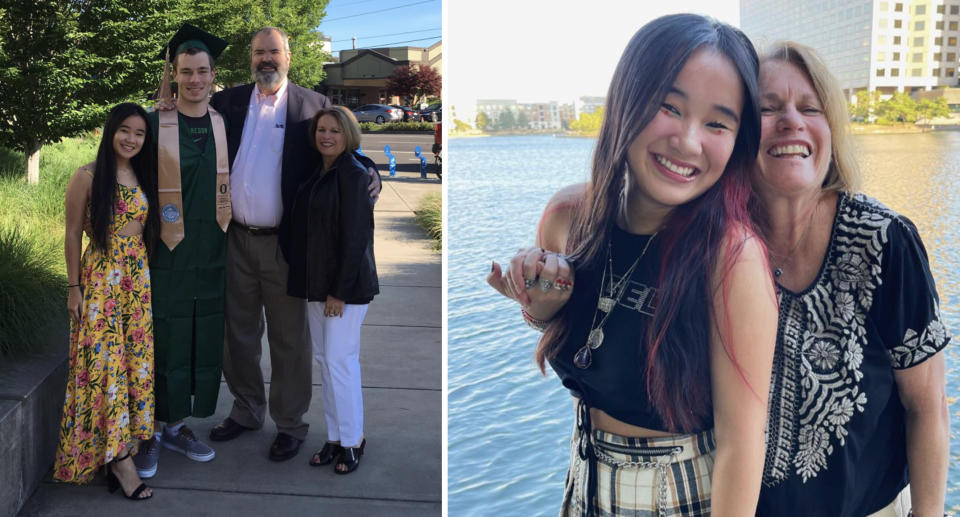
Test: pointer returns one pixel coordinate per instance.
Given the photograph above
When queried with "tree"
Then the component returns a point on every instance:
(414, 82)
(238, 20)
(506, 120)
(900, 108)
(522, 121)
(861, 109)
(63, 64)
(461, 126)
(930, 109)
(588, 122)
(60, 67)
(482, 121)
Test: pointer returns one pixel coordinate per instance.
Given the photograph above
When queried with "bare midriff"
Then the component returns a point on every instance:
(604, 422)
(131, 229)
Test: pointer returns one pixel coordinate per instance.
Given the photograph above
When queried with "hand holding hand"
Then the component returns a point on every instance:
(165, 105)
(539, 280)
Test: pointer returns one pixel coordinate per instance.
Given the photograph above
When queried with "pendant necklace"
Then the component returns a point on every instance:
(610, 294)
(778, 270)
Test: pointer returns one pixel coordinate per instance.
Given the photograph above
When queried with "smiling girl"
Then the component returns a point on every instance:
(109, 400)
(651, 285)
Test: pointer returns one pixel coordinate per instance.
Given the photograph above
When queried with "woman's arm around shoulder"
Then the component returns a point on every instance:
(543, 258)
(558, 217)
(75, 215)
(743, 337)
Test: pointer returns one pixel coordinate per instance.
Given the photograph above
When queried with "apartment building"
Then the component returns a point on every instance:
(542, 115)
(884, 45)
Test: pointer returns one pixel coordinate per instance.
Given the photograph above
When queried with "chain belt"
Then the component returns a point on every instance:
(661, 471)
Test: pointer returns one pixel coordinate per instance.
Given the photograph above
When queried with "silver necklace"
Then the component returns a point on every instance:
(788, 258)
(606, 302)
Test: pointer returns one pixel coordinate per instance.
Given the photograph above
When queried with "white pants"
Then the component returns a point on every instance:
(336, 347)
(899, 507)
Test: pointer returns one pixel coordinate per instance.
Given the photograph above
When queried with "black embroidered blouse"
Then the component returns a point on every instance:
(836, 441)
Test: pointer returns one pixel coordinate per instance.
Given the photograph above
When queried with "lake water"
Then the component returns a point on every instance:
(509, 426)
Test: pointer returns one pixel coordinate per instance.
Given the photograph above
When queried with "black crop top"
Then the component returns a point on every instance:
(615, 381)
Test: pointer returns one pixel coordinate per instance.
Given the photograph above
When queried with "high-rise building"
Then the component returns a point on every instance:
(880, 45)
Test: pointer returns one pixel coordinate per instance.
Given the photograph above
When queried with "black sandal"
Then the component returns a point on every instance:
(113, 483)
(350, 458)
(324, 456)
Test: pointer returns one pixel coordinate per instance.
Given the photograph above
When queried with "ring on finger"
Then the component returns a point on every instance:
(529, 282)
(562, 284)
(546, 285)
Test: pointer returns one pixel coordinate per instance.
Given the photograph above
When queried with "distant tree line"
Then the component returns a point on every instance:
(505, 122)
(898, 109)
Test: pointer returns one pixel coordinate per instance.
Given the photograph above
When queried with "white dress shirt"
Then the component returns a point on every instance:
(255, 180)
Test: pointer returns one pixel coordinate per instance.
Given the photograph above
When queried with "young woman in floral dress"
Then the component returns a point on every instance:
(109, 400)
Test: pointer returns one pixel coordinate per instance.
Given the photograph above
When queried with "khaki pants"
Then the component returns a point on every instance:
(257, 287)
(899, 507)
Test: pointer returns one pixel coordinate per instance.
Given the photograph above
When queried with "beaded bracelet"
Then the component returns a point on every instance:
(534, 323)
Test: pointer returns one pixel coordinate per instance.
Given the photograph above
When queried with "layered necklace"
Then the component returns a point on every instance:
(610, 295)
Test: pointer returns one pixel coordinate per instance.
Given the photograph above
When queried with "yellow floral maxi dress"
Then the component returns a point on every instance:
(109, 400)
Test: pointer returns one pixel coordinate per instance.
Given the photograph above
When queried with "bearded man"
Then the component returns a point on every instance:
(270, 158)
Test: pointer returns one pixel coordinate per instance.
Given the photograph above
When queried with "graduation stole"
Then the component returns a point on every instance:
(170, 193)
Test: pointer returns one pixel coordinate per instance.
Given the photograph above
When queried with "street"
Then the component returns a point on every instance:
(402, 146)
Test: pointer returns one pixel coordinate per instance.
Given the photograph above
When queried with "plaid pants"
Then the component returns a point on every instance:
(655, 477)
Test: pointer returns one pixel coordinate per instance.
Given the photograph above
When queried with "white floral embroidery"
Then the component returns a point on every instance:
(917, 347)
(823, 334)
(845, 305)
(824, 355)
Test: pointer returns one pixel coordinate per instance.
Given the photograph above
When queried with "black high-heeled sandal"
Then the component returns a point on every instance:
(113, 483)
(350, 458)
(324, 456)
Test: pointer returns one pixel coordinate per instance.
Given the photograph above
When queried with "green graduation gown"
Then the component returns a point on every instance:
(188, 291)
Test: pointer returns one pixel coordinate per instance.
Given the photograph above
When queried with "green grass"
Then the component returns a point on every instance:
(32, 267)
(373, 127)
(430, 218)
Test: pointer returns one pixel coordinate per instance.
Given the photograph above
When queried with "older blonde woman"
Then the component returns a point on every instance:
(857, 403)
(332, 266)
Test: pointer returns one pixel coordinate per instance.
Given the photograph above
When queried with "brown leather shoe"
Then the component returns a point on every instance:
(284, 447)
(227, 430)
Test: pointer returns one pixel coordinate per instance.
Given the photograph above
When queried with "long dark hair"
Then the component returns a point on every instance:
(104, 189)
(675, 351)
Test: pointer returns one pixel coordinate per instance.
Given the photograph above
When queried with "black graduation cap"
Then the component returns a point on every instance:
(192, 37)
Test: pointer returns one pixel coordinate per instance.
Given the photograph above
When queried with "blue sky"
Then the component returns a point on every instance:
(387, 23)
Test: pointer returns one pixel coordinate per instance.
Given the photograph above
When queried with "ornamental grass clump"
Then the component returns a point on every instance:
(32, 268)
(31, 290)
(430, 218)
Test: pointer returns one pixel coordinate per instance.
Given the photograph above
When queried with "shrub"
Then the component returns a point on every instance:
(396, 126)
(430, 218)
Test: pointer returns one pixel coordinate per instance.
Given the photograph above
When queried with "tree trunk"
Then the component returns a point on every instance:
(33, 163)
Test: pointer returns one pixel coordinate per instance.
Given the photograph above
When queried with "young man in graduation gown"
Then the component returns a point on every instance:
(188, 267)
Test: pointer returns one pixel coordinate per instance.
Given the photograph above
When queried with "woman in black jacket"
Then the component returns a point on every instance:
(332, 266)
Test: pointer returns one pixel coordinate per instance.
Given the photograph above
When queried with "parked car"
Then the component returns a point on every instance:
(433, 113)
(378, 113)
(409, 114)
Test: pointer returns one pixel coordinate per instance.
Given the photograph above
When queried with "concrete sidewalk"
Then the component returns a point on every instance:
(400, 473)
